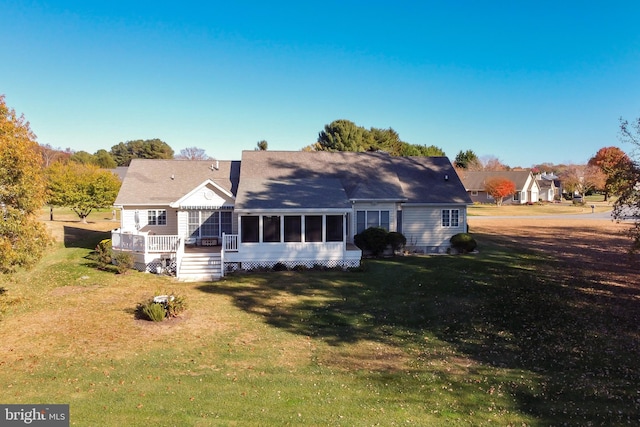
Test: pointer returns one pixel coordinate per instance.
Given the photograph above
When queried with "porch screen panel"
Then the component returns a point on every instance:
(313, 228)
(194, 224)
(250, 232)
(292, 229)
(334, 228)
(271, 228)
(226, 224)
(210, 223)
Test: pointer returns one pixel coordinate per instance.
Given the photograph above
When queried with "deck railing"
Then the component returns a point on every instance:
(229, 242)
(143, 242)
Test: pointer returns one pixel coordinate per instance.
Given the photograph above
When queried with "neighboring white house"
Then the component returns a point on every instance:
(527, 189)
(201, 219)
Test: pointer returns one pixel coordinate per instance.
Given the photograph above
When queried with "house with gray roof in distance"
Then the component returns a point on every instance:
(527, 188)
(201, 219)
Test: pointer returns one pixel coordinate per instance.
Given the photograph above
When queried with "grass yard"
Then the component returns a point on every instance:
(518, 334)
(562, 208)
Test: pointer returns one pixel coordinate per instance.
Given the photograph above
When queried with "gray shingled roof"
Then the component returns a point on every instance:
(161, 182)
(475, 180)
(298, 179)
(362, 176)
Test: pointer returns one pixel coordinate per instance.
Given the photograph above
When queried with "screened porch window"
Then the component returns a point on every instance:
(271, 228)
(334, 231)
(250, 229)
(292, 229)
(209, 223)
(313, 228)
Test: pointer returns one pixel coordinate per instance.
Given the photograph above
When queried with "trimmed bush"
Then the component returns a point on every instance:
(373, 239)
(396, 240)
(463, 242)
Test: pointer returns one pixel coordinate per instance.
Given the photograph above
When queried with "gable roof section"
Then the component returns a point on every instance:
(475, 180)
(163, 182)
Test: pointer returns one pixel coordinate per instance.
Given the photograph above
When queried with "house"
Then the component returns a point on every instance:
(201, 219)
(549, 186)
(527, 189)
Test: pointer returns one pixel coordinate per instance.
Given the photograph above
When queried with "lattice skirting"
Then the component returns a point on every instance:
(290, 265)
(166, 266)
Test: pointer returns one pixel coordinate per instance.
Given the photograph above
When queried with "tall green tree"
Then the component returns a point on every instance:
(104, 159)
(123, 152)
(343, 135)
(23, 239)
(80, 187)
(467, 160)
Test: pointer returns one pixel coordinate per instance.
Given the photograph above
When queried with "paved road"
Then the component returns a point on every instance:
(596, 215)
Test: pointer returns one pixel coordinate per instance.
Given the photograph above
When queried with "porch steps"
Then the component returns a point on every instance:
(200, 267)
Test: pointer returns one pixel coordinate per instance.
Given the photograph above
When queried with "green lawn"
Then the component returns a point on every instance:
(495, 338)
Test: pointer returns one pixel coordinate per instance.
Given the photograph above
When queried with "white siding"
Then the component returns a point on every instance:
(361, 206)
(207, 196)
(422, 226)
(128, 220)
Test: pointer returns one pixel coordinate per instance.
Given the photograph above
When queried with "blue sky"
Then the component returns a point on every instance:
(524, 81)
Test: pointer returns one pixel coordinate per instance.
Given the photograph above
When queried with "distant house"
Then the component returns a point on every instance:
(201, 219)
(549, 184)
(527, 188)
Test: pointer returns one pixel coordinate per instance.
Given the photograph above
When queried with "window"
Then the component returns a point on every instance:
(313, 228)
(474, 192)
(292, 229)
(209, 223)
(157, 217)
(516, 196)
(334, 228)
(450, 217)
(250, 229)
(271, 228)
(367, 219)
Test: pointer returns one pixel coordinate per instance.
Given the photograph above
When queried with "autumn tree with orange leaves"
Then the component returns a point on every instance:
(499, 187)
(614, 164)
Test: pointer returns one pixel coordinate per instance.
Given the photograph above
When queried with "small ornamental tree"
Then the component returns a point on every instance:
(499, 187)
(82, 188)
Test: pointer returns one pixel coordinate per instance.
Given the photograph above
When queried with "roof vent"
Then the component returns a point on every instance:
(215, 166)
(173, 177)
(446, 177)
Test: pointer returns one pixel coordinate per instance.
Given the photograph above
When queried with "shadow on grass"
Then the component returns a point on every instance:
(572, 333)
(77, 237)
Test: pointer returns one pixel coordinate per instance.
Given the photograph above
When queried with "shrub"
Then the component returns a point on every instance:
(104, 252)
(176, 305)
(396, 240)
(151, 311)
(463, 242)
(278, 266)
(373, 239)
(124, 262)
(157, 310)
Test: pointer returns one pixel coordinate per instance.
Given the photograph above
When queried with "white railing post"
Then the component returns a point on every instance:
(222, 247)
(179, 255)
